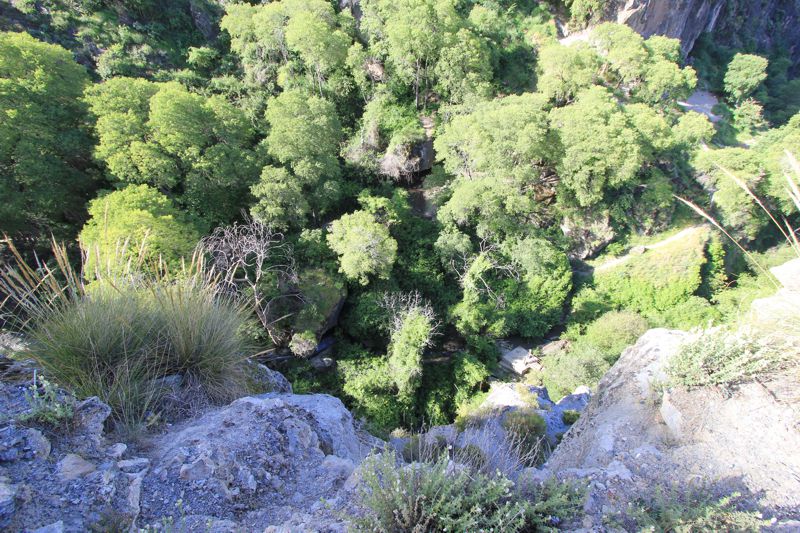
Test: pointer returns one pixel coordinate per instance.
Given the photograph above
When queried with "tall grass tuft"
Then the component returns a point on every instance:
(117, 335)
(723, 357)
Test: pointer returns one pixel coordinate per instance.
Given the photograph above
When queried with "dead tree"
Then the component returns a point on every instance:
(252, 258)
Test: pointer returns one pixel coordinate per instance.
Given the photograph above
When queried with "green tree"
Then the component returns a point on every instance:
(304, 133)
(518, 290)
(44, 150)
(411, 34)
(363, 245)
(279, 40)
(745, 74)
(566, 70)
(601, 148)
(464, 68)
(321, 46)
(664, 81)
(201, 150)
(583, 12)
(622, 50)
(738, 212)
(280, 201)
(499, 151)
(691, 129)
(142, 218)
(411, 335)
(748, 117)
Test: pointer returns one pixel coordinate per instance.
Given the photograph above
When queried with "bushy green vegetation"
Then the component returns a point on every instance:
(43, 142)
(528, 428)
(306, 125)
(693, 510)
(724, 357)
(439, 497)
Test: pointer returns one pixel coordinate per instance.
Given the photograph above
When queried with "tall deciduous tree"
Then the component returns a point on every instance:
(364, 247)
(279, 40)
(745, 74)
(601, 148)
(142, 218)
(411, 34)
(201, 150)
(44, 150)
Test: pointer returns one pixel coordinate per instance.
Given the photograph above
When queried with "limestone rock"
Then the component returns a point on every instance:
(671, 415)
(116, 451)
(7, 505)
(284, 451)
(588, 233)
(55, 527)
(22, 444)
(762, 24)
(271, 380)
(131, 466)
(519, 360)
(73, 466)
(89, 421)
(633, 437)
(406, 161)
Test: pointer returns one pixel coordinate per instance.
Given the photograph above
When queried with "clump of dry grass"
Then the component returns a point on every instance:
(756, 349)
(117, 335)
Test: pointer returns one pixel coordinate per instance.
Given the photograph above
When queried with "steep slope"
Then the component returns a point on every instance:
(637, 433)
(763, 23)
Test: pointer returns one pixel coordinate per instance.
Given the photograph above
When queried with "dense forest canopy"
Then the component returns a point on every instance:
(435, 174)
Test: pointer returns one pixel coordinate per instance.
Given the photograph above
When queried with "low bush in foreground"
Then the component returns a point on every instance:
(445, 496)
(720, 356)
(529, 428)
(687, 511)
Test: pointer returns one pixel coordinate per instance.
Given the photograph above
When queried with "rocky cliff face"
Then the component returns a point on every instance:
(637, 434)
(765, 23)
(279, 462)
(680, 19)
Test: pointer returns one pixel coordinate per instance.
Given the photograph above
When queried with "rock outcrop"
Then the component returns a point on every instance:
(275, 462)
(66, 480)
(637, 433)
(487, 432)
(765, 23)
(680, 19)
(259, 462)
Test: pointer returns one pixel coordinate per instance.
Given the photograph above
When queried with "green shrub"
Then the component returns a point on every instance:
(443, 496)
(694, 312)
(613, 332)
(582, 12)
(649, 284)
(370, 393)
(686, 511)
(469, 373)
(419, 448)
(528, 428)
(567, 370)
(470, 413)
(570, 416)
(46, 405)
(520, 292)
(434, 497)
(472, 456)
(723, 357)
(552, 503)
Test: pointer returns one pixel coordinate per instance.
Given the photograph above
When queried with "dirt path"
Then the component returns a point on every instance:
(611, 263)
